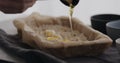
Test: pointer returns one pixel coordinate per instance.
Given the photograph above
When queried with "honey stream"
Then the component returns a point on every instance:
(70, 16)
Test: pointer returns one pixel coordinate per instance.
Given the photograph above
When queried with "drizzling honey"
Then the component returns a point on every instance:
(70, 16)
(70, 12)
(71, 4)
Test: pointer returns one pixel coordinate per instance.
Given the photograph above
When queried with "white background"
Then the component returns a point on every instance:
(84, 10)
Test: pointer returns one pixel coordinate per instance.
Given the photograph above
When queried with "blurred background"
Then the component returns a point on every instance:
(84, 10)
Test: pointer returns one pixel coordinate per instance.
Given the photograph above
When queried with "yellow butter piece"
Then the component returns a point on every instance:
(66, 40)
(48, 33)
(51, 35)
(51, 38)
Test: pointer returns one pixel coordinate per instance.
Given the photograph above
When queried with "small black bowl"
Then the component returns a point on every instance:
(99, 21)
(113, 29)
(118, 44)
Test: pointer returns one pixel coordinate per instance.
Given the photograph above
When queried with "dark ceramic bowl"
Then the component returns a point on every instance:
(118, 44)
(113, 29)
(99, 21)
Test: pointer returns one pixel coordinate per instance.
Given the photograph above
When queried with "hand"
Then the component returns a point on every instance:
(15, 6)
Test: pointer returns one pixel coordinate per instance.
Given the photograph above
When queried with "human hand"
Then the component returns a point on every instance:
(15, 6)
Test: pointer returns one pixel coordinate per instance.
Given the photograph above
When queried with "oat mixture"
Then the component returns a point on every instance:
(59, 33)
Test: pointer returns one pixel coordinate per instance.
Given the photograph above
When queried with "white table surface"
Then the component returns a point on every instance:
(83, 11)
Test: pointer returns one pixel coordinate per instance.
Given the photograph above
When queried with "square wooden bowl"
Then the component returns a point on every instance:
(96, 42)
